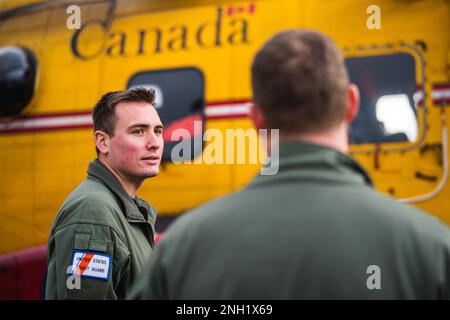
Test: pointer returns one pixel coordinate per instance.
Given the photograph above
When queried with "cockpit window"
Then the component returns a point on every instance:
(18, 69)
(388, 112)
(180, 104)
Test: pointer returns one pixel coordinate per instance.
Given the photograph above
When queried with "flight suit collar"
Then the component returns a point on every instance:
(135, 210)
(312, 162)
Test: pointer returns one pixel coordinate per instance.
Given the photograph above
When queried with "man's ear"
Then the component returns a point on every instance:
(257, 117)
(352, 103)
(102, 143)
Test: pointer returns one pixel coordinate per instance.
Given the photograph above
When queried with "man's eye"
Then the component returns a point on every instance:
(158, 132)
(138, 131)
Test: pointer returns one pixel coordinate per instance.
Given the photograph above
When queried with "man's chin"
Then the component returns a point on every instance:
(152, 173)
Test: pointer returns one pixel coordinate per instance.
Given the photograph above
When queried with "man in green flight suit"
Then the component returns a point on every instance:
(103, 232)
(315, 230)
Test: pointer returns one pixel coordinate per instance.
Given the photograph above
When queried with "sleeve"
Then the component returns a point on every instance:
(86, 261)
(153, 282)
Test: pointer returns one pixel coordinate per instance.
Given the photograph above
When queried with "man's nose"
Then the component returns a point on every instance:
(154, 141)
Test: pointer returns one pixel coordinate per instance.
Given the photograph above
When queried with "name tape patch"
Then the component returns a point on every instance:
(90, 264)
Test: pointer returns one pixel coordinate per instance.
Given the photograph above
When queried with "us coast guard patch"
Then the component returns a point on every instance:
(90, 264)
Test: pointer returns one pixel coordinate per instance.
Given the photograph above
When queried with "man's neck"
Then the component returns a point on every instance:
(336, 138)
(129, 187)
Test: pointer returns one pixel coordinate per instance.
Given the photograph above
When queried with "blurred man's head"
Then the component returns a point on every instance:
(300, 84)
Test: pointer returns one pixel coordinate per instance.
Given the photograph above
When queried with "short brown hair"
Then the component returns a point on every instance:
(104, 115)
(300, 82)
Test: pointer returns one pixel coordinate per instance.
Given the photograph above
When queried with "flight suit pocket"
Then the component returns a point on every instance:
(99, 245)
(83, 241)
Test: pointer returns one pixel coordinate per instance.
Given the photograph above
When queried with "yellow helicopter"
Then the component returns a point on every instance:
(58, 57)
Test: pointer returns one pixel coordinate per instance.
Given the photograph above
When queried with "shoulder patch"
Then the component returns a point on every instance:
(90, 264)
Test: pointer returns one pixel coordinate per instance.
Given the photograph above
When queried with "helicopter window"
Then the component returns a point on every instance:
(180, 104)
(18, 67)
(397, 115)
(388, 112)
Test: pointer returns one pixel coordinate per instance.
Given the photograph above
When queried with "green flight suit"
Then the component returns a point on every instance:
(315, 230)
(103, 231)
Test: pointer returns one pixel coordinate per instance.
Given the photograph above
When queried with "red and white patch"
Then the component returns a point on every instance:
(90, 264)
